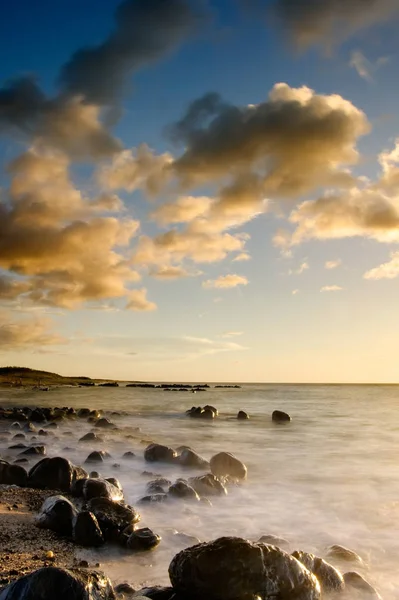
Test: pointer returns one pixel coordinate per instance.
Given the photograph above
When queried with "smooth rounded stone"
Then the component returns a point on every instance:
(18, 446)
(278, 416)
(231, 568)
(274, 540)
(225, 463)
(15, 426)
(97, 456)
(159, 453)
(181, 489)
(126, 589)
(208, 413)
(208, 485)
(154, 498)
(35, 451)
(112, 517)
(12, 474)
(355, 580)
(29, 428)
(105, 424)
(56, 473)
(90, 437)
(64, 584)
(342, 553)
(156, 593)
(57, 513)
(19, 436)
(116, 483)
(329, 577)
(189, 458)
(100, 488)
(212, 408)
(86, 530)
(129, 455)
(143, 539)
(94, 474)
(153, 487)
(242, 415)
(83, 413)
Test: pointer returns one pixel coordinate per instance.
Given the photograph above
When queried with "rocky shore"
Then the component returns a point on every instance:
(53, 509)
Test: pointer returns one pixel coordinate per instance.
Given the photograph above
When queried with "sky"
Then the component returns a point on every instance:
(200, 190)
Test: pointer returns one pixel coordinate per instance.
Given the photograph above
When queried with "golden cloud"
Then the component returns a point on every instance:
(225, 282)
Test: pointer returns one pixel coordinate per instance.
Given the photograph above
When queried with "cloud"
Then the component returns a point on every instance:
(230, 334)
(145, 30)
(388, 270)
(172, 272)
(331, 288)
(225, 282)
(288, 145)
(26, 334)
(242, 257)
(304, 266)
(364, 67)
(332, 264)
(324, 22)
(184, 210)
(138, 301)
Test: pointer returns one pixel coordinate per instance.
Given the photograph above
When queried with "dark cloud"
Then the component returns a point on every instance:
(145, 30)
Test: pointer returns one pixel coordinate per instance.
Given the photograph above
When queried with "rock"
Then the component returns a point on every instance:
(232, 568)
(157, 593)
(94, 474)
(225, 463)
(153, 487)
(57, 513)
(12, 474)
(19, 436)
(17, 446)
(64, 584)
(43, 433)
(329, 577)
(16, 426)
(159, 453)
(113, 517)
(105, 424)
(125, 588)
(274, 540)
(342, 553)
(29, 428)
(129, 455)
(86, 530)
(97, 456)
(20, 461)
(83, 413)
(142, 539)
(181, 489)
(242, 415)
(212, 408)
(37, 416)
(90, 437)
(154, 498)
(101, 488)
(207, 413)
(189, 458)
(208, 485)
(185, 540)
(56, 473)
(356, 581)
(280, 417)
(35, 451)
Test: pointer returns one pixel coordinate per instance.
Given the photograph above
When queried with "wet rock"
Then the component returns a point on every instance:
(342, 553)
(154, 487)
(64, 584)
(83, 413)
(16, 426)
(35, 451)
(43, 433)
(101, 488)
(113, 517)
(355, 580)
(97, 456)
(234, 569)
(181, 489)
(94, 474)
(242, 415)
(86, 530)
(12, 474)
(207, 413)
(18, 446)
(129, 455)
(212, 408)
(157, 593)
(225, 463)
(57, 513)
(90, 437)
(159, 453)
(208, 485)
(19, 436)
(105, 424)
(274, 540)
(143, 539)
(189, 458)
(329, 577)
(153, 498)
(280, 417)
(37, 416)
(125, 588)
(56, 473)
(116, 483)
(29, 428)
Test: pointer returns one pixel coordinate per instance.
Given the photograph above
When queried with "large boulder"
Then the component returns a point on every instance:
(232, 568)
(159, 453)
(357, 582)
(64, 584)
(181, 489)
(189, 458)
(101, 488)
(97, 456)
(112, 517)
(12, 474)
(329, 577)
(224, 463)
(56, 473)
(344, 554)
(86, 530)
(207, 485)
(57, 513)
(278, 416)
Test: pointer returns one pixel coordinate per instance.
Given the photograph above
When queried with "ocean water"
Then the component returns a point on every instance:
(330, 476)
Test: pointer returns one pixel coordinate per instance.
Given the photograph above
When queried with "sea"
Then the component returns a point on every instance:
(330, 476)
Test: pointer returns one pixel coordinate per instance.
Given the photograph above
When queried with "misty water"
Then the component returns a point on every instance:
(331, 476)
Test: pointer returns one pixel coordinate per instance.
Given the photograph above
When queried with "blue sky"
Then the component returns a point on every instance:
(99, 287)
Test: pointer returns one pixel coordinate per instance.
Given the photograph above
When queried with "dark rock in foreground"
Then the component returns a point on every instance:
(112, 517)
(12, 474)
(86, 530)
(329, 577)
(225, 463)
(142, 539)
(55, 474)
(57, 513)
(101, 488)
(64, 584)
(278, 416)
